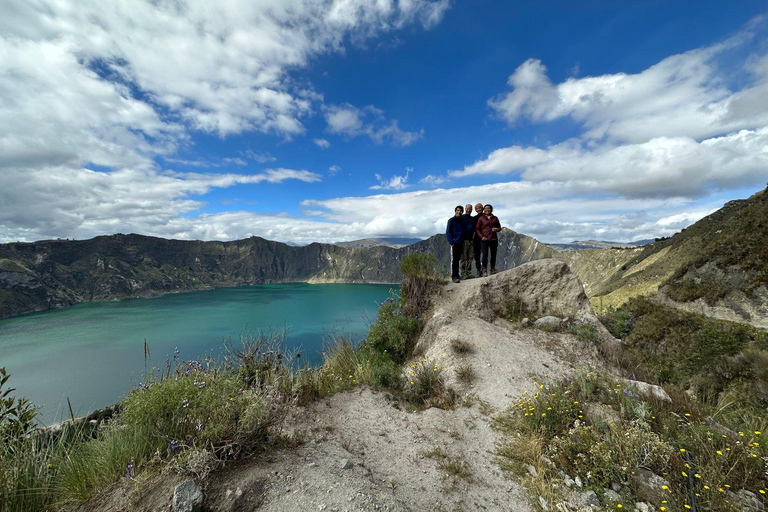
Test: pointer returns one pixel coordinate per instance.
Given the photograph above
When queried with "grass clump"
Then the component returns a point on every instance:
(462, 346)
(466, 373)
(619, 321)
(515, 309)
(584, 331)
(426, 386)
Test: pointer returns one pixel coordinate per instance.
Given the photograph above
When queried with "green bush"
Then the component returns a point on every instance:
(394, 333)
(618, 321)
(421, 265)
(17, 415)
(585, 332)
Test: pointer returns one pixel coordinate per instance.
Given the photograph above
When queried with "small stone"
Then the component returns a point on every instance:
(187, 497)
(616, 487)
(578, 482)
(525, 322)
(531, 471)
(641, 506)
(543, 503)
(612, 495)
(589, 499)
(346, 464)
(322, 507)
(568, 481)
(312, 464)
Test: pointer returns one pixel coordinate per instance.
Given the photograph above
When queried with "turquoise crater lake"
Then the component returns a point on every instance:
(93, 353)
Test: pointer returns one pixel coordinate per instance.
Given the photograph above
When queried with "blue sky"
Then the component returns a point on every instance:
(335, 120)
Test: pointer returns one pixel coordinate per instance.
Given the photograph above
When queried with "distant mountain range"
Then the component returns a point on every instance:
(578, 245)
(718, 266)
(394, 242)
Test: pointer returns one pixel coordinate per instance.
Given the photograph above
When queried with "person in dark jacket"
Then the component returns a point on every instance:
(454, 232)
(487, 227)
(467, 251)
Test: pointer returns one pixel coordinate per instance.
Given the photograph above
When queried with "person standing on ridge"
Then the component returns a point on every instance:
(454, 232)
(487, 227)
(476, 239)
(467, 251)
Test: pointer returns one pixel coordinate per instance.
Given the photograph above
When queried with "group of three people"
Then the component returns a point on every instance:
(470, 236)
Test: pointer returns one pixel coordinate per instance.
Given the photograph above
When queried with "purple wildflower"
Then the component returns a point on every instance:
(184, 403)
(129, 470)
(173, 446)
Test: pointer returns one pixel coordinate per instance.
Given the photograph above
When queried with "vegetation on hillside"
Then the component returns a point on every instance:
(706, 443)
(723, 252)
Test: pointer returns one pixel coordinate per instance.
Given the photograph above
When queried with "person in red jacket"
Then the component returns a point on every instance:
(487, 227)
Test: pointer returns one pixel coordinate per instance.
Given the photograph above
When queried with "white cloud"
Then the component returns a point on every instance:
(322, 143)
(333, 169)
(432, 180)
(393, 183)
(683, 95)
(117, 83)
(661, 167)
(84, 203)
(369, 121)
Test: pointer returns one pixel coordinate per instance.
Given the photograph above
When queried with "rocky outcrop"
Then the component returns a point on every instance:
(58, 273)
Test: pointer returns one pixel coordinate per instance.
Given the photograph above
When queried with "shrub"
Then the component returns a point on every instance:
(17, 415)
(584, 331)
(394, 333)
(421, 273)
(515, 309)
(618, 321)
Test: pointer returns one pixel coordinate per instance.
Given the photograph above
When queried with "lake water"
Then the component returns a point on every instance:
(93, 353)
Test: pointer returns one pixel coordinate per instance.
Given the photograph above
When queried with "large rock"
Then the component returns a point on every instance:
(187, 497)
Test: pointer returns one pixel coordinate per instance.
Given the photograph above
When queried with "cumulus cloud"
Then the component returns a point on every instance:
(662, 167)
(322, 143)
(432, 180)
(683, 95)
(84, 203)
(394, 183)
(369, 121)
(121, 82)
(333, 169)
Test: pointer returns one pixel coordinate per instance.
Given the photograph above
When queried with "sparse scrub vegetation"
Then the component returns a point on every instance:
(462, 346)
(515, 309)
(678, 441)
(426, 386)
(466, 373)
(584, 331)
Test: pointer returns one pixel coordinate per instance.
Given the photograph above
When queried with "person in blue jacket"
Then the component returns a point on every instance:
(454, 232)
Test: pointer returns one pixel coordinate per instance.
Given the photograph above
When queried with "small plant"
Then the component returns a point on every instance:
(17, 415)
(465, 373)
(584, 331)
(426, 386)
(619, 322)
(394, 333)
(462, 346)
(515, 309)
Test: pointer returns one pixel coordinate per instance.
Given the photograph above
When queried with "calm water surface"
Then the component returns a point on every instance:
(94, 353)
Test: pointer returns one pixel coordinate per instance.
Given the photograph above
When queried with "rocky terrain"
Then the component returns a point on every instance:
(361, 451)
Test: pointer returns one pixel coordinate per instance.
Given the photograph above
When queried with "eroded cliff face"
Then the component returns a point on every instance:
(51, 274)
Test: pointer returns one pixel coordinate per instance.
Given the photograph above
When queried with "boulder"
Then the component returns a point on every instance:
(549, 323)
(646, 389)
(187, 497)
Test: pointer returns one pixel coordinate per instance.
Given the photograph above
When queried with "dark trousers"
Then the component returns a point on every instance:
(477, 243)
(455, 258)
(489, 246)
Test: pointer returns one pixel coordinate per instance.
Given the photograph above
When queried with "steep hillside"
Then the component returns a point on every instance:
(717, 266)
(50, 274)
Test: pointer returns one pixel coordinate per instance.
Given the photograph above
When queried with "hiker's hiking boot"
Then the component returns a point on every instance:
(455, 279)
